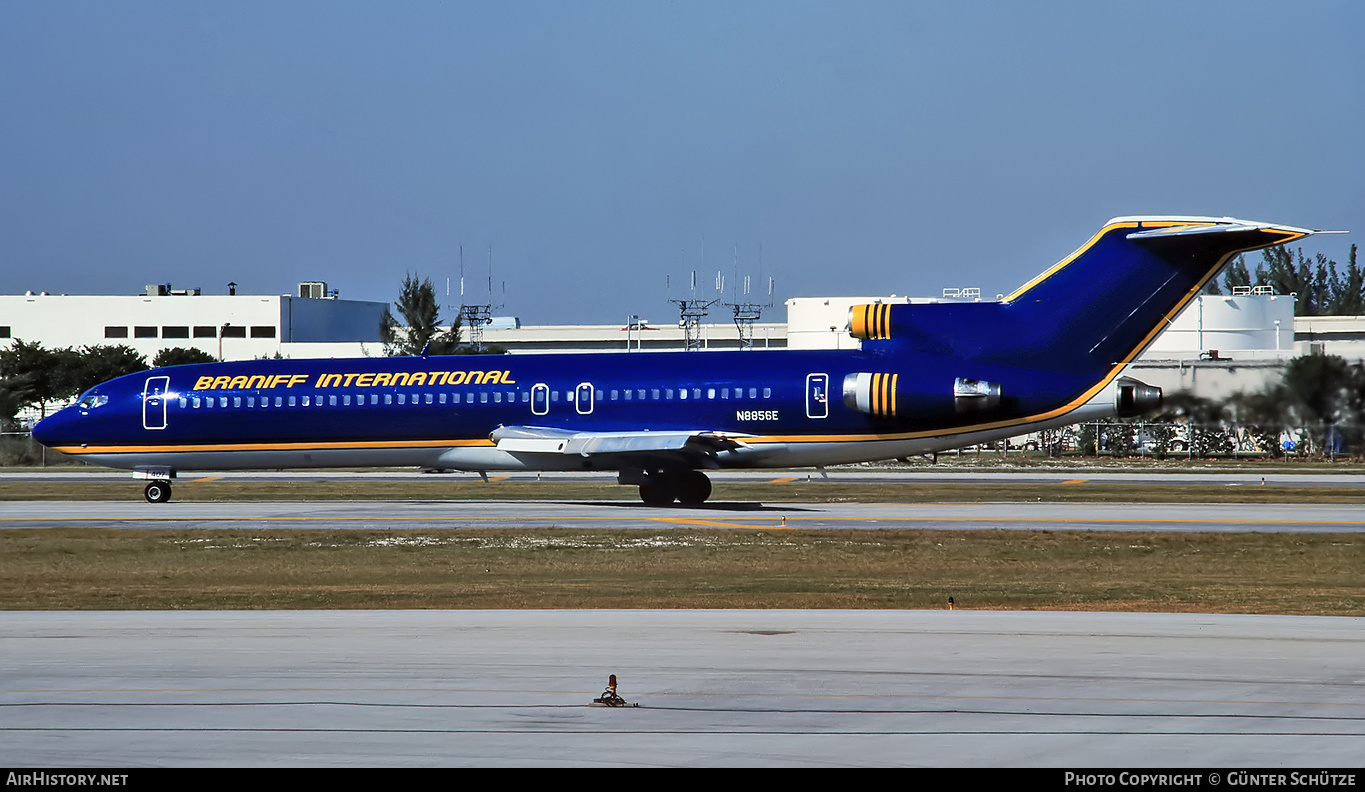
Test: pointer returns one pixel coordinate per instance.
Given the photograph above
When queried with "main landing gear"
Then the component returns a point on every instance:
(157, 492)
(661, 488)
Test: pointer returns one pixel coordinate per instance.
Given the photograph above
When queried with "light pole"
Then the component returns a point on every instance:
(222, 331)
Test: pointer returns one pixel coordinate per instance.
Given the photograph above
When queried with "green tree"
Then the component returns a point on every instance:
(91, 365)
(181, 356)
(421, 315)
(1234, 275)
(31, 375)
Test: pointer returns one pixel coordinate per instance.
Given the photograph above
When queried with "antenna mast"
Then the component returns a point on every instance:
(747, 312)
(477, 316)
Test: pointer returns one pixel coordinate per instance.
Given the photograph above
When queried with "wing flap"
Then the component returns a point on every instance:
(547, 440)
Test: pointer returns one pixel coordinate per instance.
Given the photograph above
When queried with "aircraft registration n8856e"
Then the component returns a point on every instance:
(926, 378)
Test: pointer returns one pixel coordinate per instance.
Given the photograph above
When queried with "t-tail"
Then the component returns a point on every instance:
(1069, 332)
(1107, 301)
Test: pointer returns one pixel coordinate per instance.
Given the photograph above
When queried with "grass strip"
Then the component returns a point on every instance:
(134, 569)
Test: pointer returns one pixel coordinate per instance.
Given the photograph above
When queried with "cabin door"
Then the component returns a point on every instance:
(154, 402)
(582, 397)
(540, 399)
(817, 395)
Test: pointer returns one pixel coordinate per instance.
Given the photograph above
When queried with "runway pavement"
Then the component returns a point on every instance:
(737, 688)
(437, 515)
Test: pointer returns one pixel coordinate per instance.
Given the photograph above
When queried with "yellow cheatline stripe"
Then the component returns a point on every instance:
(313, 446)
(1049, 272)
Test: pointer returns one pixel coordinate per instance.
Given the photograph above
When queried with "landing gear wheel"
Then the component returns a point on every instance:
(157, 492)
(693, 488)
(657, 492)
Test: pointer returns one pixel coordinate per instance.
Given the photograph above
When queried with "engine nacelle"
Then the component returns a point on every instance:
(880, 394)
(874, 394)
(1134, 398)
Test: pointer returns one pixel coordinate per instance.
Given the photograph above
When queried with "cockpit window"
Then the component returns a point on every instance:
(92, 400)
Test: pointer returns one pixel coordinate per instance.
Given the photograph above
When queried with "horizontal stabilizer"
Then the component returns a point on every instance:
(1227, 227)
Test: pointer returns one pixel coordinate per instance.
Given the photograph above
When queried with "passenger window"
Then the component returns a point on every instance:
(483, 397)
(251, 401)
(236, 401)
(279, 401)
(655, 393)
(428, 399)
(628, 394)
(332, 401)
(696, 393)
(767, 393)
(402, 398)
(195, 402)
(305, 401)
(346, 400)
(668, 394)
(388, 398)
(710, 393)
(443, 397)
(455, 398)
(497, 397)
(293, 401)
(682, 393)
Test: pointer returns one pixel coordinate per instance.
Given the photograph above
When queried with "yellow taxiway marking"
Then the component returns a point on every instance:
(707, 523)
(1075, 481)
(783, 480)
(206, 478)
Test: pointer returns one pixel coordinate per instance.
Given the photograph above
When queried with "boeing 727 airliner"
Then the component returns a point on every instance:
(926, 378)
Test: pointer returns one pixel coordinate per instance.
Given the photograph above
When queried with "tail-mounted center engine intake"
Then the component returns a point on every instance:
(870, 322)
(1135, 398)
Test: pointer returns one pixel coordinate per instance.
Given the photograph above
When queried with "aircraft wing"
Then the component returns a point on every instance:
(691, 449)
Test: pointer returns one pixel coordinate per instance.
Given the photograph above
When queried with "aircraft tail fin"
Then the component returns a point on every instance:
(1097, 308)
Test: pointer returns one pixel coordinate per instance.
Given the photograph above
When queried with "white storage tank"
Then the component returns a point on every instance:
(1237, 322)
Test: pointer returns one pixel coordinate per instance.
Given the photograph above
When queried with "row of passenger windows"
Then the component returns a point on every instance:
(183, 331)
(469, 397)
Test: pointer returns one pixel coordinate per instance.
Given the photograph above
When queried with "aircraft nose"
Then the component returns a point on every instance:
(53, 429)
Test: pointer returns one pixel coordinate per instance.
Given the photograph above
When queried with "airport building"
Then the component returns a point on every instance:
(312, 324)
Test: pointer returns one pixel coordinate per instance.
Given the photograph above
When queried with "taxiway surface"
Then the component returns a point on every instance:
(765, 688)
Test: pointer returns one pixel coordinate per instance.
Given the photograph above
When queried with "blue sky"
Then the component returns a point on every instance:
(600, 148)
